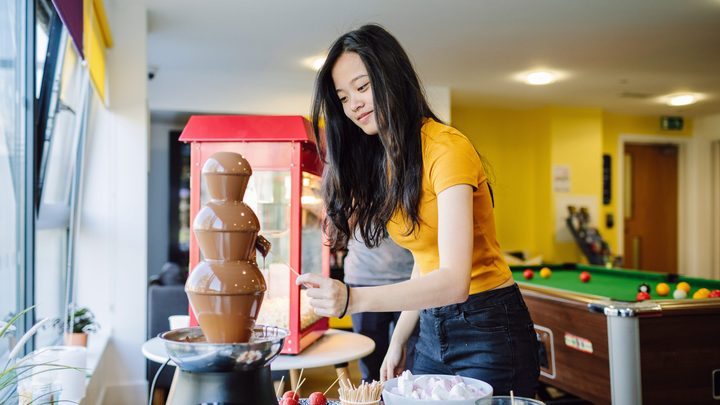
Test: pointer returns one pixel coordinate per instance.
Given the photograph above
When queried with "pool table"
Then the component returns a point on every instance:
(599, 343)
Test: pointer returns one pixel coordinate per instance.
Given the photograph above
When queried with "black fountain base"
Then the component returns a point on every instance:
(253, 387)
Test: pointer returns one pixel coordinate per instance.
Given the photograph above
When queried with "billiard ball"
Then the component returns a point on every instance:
(644, 287)
(683, 286)
(528, 274)
(584, 276)
(545, 272)
(701, 294)
(642, 296)
(662, 289)
(679, 294)
(714, 294)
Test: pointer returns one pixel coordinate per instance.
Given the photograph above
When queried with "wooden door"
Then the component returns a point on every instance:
(651, 207)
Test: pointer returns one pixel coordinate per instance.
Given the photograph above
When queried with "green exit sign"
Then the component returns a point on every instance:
(671, 123)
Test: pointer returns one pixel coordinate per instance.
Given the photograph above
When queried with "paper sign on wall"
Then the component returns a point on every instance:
(561, 178)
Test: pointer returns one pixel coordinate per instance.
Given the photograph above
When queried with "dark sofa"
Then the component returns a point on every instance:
(166, 296)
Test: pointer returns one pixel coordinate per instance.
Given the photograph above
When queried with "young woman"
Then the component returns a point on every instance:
(391, 164)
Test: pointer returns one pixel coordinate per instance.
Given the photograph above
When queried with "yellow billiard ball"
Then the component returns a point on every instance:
(701, 293)
(545, 272)
(662, 289)
(683, 286)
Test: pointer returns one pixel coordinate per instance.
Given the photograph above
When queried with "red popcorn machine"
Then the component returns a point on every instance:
(284, 192)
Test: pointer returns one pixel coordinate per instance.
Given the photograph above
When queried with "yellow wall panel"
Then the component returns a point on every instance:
(522, 146)
(96, 39)
(576, 142)
(510, 140)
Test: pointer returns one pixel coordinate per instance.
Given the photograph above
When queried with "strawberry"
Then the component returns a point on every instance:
(317, 398)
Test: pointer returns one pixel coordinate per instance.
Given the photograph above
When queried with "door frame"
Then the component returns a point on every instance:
(684, 144)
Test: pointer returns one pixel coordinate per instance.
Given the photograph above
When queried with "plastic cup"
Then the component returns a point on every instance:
(505, 400)
(179, 321)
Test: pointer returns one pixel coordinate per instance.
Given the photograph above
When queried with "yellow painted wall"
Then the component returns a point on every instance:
(575, 143)
(523, 145)
(514, 144)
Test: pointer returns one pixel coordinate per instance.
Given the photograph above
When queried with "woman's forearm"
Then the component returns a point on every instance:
(438, 288)
(404, 327)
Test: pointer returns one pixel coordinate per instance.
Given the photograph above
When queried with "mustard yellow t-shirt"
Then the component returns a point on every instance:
(450, 159)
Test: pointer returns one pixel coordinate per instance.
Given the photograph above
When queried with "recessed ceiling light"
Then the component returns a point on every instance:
(314, 62)
(539, 77)
(318, 62)
(681, 99)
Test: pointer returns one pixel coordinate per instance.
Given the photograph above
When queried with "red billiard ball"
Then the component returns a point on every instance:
(642, 296)
(584, 276)
(714, 294)
(528, 274)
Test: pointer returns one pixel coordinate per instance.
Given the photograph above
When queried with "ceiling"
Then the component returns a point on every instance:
(619, 55)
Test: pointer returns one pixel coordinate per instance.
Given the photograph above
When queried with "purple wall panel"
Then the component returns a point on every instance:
(71, 14)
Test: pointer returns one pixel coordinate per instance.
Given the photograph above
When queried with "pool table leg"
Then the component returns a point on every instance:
(624, 353)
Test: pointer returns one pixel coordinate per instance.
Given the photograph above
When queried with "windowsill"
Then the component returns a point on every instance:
(97, 342)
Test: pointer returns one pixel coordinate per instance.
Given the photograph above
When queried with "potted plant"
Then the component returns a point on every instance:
(80, 322)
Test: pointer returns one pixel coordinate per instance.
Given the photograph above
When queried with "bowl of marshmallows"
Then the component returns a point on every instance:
(409, 389)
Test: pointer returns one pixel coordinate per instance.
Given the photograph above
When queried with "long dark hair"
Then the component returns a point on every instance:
(366, 178)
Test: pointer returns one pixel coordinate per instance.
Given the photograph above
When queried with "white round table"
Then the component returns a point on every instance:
(335, 348)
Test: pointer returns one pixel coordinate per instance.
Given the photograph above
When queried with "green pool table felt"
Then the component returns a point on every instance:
(616, 284)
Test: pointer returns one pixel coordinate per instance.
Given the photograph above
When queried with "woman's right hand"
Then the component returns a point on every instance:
(394, 362)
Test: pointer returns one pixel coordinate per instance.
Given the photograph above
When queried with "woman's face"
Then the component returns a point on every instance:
(352, 84)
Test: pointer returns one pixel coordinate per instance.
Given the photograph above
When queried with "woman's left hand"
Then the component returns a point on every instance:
(327, 296)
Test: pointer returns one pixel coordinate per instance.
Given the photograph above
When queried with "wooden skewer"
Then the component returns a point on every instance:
(280, 386)
(294, 272)
(364, 392)
(300, 379)
(298, 274)
(300, 385)
(336, 380)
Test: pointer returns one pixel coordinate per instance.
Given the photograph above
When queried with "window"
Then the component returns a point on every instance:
(40, 162)
(53, 285)
(66, 117)
(13, 159)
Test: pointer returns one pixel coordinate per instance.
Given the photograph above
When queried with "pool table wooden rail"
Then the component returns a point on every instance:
(651, 352)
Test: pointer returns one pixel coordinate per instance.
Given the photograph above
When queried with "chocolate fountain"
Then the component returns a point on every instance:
(227, 359)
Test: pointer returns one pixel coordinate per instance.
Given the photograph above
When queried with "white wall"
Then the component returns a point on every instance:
(159, 187)
(158, 196)
(439, 99)
(227, 94)
(112, 239)
(707, 130)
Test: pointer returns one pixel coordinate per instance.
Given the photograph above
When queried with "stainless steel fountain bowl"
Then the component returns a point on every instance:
(190, 351)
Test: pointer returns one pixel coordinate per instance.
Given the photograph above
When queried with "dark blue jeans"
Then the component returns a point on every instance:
(489, 337)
